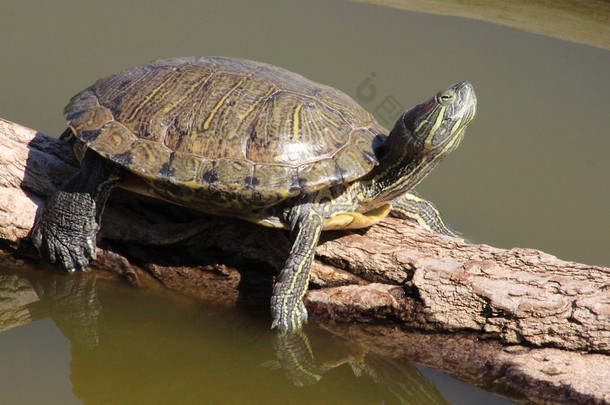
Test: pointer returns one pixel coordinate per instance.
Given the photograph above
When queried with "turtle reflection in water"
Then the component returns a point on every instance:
(252, 141)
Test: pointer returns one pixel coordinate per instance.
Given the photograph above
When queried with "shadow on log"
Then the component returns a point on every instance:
(525, 319)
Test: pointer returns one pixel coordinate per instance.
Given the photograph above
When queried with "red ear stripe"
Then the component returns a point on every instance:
(415, 111)
(425, 107)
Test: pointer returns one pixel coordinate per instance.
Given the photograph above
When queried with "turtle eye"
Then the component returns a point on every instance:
(446, 97)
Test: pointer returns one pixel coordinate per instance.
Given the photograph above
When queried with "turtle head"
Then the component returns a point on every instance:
(435, 128)
(421, 138)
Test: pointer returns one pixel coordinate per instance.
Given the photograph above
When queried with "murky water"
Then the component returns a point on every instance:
(70, 339)
(533, 171)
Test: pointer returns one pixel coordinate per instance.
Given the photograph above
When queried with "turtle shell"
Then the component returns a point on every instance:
(205, 129)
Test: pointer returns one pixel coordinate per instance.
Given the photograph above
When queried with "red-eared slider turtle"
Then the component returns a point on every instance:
(253, 141)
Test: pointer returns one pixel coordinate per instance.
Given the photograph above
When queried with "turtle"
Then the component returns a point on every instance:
(253, 141)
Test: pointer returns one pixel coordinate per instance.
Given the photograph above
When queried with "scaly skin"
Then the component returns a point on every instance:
(412, 207)
(66, 229)
(287, 306)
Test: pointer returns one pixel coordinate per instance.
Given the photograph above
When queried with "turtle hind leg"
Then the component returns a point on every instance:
(412, 207)
(287, 307)
(66, 227)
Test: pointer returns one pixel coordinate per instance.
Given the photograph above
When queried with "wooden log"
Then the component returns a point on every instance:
(393, 272)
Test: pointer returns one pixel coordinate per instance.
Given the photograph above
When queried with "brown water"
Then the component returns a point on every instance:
(96, 342)
(533, 171)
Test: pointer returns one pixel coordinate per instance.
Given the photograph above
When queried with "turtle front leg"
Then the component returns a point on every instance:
(412, 207)
(66, 228)
(287, 307)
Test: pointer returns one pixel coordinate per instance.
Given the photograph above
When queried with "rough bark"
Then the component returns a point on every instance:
(391, 273)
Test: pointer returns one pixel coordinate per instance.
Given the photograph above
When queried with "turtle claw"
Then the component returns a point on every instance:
(59, 247)
(288, 315)
(65, 231)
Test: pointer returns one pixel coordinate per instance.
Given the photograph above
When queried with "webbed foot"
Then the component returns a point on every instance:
(65, 230)
(412, 207)
(288, 311)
